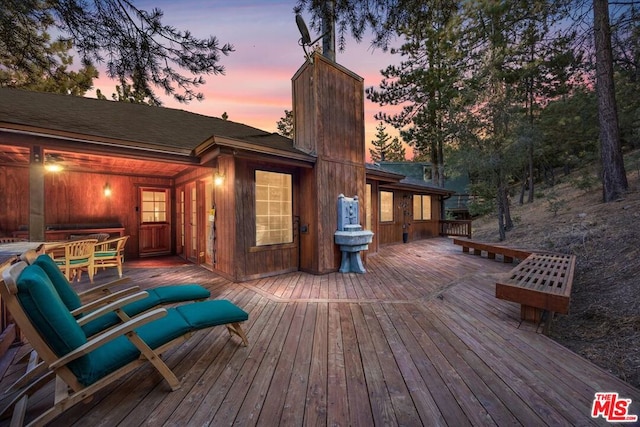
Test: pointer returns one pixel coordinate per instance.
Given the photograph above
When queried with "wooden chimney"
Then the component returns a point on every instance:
(328, 107)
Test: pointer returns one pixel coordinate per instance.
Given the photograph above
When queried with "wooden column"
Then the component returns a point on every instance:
(328, 104)
(36, 196)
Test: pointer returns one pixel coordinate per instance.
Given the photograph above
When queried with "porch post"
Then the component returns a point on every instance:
(36, 196)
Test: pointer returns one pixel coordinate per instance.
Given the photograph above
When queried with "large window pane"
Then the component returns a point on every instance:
(274, 211)
(421, 207)
(386, 206)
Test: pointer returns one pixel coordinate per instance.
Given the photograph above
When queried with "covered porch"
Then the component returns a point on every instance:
(420, 339)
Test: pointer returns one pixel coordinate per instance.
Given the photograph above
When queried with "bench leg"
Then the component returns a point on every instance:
(465, 249)
(491, 255)
(477, 252)
(531, 314)
(507, 259)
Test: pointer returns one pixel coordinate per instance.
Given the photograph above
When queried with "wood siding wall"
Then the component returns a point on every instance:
(259, 261)
(74, 198)
(391, 232)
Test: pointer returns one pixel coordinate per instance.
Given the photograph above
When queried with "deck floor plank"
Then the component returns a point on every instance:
(420, 339)
(293, 409)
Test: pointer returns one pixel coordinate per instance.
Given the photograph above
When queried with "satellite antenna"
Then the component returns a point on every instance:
(305, 40)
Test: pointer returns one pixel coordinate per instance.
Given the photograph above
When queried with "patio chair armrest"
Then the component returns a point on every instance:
(103, 289)
(109, 335)
(112, 307)
(106, 299)
(106, 245)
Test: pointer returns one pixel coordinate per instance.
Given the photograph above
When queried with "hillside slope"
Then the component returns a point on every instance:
(604, 320)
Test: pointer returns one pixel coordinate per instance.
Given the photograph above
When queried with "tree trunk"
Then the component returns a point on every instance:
(614, 177)
(531, 183)
(501, 230)
(523, 187)
(440, 164)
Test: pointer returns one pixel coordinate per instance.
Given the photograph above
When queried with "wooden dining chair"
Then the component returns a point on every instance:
(78, 255)
(110, 253)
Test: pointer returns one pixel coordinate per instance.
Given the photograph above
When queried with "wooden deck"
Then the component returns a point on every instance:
(420, 339)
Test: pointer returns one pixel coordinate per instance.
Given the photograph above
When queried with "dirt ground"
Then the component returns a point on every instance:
(604, 320)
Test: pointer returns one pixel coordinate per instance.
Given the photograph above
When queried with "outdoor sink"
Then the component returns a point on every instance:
(350, 236)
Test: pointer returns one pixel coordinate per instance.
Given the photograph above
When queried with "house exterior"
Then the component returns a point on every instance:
(240, 201)
(456, 205)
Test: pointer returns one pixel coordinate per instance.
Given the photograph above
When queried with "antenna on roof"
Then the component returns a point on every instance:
(305, 40)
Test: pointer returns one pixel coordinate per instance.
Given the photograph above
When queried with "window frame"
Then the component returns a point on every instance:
(422, 198)
(166, 202)
(287, 227)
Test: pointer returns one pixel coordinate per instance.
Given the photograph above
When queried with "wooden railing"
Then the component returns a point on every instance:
(456, 228)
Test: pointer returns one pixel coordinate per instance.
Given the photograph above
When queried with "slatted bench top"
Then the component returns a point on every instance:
(492, 249)
(541, 280)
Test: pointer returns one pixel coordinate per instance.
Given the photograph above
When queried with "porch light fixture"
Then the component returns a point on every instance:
(218, 179)
(107, 190)
(52, 166)
(53, 162)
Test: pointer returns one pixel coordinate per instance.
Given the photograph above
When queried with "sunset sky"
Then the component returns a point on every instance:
(256, 87)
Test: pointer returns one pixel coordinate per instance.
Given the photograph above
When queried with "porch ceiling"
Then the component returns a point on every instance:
(83, 162)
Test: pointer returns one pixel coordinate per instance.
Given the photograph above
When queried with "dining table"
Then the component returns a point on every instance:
(11, 250)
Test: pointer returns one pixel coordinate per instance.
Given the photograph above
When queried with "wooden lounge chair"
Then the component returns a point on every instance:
(82, 365)
(74, 301)
(110, 253)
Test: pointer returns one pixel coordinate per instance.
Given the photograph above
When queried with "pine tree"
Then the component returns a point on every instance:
(614, 177)
(126, 93)
(396, 152)
(285, 124)
(135, 45)
(380, 145)
(425, 82)
(48, 71)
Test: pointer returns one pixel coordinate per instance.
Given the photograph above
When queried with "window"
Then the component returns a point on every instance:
(386, 206)
(274, 210)
(421, 207)
(154, 205)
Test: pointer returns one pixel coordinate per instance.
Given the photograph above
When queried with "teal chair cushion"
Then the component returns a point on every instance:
(104, 360)
(211, 313)
(157, 296)
(178, 321)
(60, 282)
(103, 254)
(177, 293)
(47, 312)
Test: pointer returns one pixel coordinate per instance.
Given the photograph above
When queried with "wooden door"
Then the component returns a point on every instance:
(191, 222)
(155, 221)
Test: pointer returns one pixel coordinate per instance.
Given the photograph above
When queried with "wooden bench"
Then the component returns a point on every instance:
(541, 282)
(508, 254)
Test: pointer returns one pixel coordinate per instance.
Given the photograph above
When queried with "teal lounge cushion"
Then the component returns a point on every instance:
(167, 295)
(47, 312)
(60, 282)
(157, 296)
(178, 321)
(211, 313)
